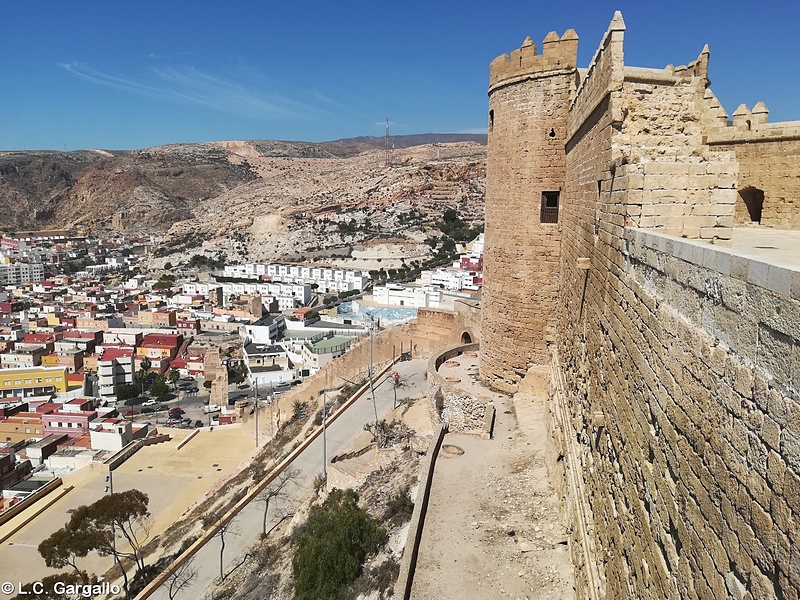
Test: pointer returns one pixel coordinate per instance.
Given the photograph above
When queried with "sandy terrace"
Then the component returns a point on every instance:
(493, 527)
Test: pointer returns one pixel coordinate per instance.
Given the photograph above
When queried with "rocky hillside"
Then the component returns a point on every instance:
(333, 202)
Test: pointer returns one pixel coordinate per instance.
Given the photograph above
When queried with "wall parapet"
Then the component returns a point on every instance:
(781, 278)
(768, 132)
(559, 54)
(448, 402)
(605, 74)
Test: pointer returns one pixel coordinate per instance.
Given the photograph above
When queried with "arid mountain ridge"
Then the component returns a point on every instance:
(336, 202)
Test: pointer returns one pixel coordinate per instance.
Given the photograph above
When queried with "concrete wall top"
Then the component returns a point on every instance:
(781, 277)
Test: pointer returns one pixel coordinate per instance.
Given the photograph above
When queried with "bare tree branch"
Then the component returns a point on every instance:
(181, 578)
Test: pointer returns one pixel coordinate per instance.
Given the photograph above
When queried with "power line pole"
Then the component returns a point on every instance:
(387, 157)
(371, 387)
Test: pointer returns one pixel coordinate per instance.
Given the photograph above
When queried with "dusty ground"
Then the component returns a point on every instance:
(172, 478)
(493, 528)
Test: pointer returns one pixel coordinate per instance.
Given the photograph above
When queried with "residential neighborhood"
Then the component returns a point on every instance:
(97, 353)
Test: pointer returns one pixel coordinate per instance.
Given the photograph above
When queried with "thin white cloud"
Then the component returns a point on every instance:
(81, 71)
(192, 86)
(201, 88)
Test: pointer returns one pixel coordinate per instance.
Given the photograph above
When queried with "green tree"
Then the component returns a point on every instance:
(126, 391)
(159, 387)
(332, 547)
(174, 377)
(63, 547)
(96, 526)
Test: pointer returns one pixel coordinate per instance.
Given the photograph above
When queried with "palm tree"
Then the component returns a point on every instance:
(174, 376)
(144, 368)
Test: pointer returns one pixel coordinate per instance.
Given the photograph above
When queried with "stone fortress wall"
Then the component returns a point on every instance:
(677, 361)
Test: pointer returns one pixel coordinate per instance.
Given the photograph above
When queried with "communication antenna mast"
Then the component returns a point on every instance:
(436, 145)
(387, 158)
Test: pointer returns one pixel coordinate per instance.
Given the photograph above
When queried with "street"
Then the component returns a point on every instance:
(246, 526)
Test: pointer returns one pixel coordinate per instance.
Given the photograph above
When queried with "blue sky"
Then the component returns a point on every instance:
(123, 74)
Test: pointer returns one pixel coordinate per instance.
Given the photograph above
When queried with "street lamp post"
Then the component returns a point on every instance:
(324, 437)
(109, 489)
(257, 406)
(371, 387)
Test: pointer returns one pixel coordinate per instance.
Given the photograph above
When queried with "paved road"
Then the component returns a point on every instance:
(248, 522)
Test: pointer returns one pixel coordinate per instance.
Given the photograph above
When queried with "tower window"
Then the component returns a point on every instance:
(491, 119)
(549, 210)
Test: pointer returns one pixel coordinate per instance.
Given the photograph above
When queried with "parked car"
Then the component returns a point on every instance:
(198, 423)
(152, 402)
(176, 410)
(130, 413)
(174, 422)
(148, 409)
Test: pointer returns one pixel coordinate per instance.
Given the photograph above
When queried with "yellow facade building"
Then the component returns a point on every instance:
(31, 381)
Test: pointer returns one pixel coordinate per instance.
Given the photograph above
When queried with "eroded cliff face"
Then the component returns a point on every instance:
(246, 200)
(87, 188)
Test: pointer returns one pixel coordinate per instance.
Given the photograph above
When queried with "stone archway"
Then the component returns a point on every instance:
(466, 338)
(749, 205)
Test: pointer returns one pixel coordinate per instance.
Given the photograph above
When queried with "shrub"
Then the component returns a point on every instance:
(127, 391)
(332, 547)
(299, 409)
(399, 508)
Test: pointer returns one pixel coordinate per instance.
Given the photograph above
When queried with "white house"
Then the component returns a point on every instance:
(110, 434)
(398, 295)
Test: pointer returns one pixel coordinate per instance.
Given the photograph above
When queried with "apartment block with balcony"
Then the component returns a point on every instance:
(115, 366)
(32, 381)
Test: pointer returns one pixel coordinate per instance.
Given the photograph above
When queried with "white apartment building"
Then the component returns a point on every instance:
(288, 295)
(115, 366)
(110, 434)
(109, 266)
(448, 279)
(267, 330)
(398, 295)
(18, 273)
(327, 280)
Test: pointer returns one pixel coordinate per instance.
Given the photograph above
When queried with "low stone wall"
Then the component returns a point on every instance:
(450, 404)
(405, 580)
(123, 455)
(12, 512)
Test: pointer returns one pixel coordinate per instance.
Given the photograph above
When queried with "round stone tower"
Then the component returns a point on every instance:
(529, 96)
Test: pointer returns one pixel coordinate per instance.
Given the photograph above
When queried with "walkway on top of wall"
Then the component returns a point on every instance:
(776, 246)
(769, 258)
(493, 528)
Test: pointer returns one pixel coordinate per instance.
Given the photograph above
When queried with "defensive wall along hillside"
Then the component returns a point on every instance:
(675, 356)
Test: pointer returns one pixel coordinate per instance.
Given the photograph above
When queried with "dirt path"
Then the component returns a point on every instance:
(493, 528)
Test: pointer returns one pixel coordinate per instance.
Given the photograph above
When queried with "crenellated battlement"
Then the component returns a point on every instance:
(558, 54)
(696, 68)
